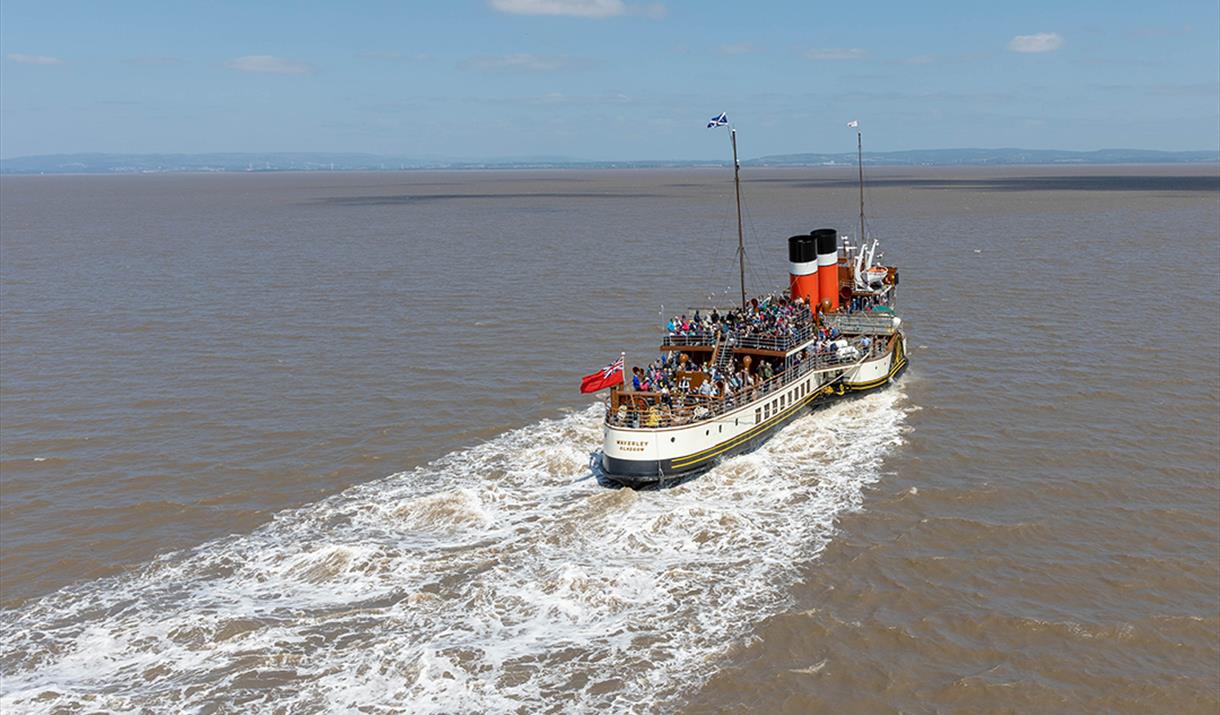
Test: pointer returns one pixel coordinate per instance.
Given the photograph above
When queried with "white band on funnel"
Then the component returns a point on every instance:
(802, 269)
(828, 259)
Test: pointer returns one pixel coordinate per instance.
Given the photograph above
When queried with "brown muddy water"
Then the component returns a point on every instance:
(299, 443)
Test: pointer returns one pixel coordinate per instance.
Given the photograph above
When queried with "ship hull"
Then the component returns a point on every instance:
(633, 471)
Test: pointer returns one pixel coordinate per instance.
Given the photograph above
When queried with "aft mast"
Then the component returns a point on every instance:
(860, 164)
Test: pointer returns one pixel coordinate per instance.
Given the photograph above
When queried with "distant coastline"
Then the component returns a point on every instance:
(102, 163)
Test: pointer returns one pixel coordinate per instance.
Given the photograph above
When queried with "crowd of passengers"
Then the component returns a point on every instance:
(672, 378)
(670, 395)
(668, 379)
(772, 316)
(863, 304)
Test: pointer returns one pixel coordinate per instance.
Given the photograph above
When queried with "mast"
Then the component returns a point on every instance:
(860, 164)
(741, 246)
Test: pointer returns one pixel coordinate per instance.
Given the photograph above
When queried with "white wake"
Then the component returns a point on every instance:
(495, 579)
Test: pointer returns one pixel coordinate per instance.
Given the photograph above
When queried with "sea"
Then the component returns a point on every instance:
(312, 442)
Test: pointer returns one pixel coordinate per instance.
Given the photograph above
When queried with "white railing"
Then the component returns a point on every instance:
(782, 343)
(697, 338)
(861, 323)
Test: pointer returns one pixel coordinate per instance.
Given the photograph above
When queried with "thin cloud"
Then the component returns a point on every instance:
(655, 11)
(1038, 42)
(34, 59)
(738, 48)
(835, 53)
(588, 9)
(1166, 89)
(520, 63)
(268, 64)
(393, 56)
(155, 61)
(559, 98)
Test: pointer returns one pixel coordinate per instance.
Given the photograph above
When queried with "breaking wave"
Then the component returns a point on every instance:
(498, 578)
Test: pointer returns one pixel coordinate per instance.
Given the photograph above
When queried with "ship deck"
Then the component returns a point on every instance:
(651, 409)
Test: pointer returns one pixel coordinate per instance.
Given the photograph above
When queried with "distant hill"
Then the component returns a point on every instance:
(289, 161)
(319, 161)
(950, 157)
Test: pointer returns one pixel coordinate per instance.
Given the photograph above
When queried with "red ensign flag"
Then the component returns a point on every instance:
(608, 376)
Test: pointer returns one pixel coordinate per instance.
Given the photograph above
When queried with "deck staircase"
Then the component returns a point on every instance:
(723, 360)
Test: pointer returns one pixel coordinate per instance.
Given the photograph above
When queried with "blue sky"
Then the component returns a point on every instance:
(605, 79)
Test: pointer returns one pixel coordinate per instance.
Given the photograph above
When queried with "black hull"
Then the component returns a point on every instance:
(644, 473)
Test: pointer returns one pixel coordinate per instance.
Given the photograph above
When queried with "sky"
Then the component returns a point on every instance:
(605, 79)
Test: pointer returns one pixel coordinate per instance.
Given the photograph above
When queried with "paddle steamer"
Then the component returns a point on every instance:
(840, 337)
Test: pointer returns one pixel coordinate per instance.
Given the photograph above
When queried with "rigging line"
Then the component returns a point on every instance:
(865, 199)
(869, 189)
(871, 213)
(726, 224)
(752, 235)
(870, 204)
(755, 276)
(736, 277)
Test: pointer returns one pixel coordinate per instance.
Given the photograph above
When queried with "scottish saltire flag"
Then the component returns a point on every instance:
(718, 121)
(854, 123)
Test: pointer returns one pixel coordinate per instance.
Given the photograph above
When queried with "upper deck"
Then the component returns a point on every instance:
(879, 320)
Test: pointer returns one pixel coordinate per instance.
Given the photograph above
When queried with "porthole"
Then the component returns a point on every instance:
(720, 428)
(671, 439)
(706, 432)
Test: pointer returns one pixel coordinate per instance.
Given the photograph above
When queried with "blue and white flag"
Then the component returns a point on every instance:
(718, 121)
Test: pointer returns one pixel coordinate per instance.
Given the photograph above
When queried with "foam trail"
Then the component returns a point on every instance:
(494, 579)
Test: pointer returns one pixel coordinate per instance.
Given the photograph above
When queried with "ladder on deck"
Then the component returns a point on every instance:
(724, 356)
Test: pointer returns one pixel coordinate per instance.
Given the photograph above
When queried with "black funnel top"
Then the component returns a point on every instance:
(802, 249)
(827, 240)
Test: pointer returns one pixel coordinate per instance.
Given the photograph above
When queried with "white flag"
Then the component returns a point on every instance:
(853, 123)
